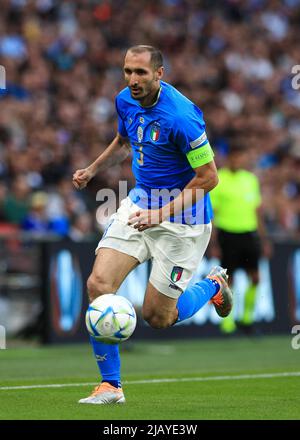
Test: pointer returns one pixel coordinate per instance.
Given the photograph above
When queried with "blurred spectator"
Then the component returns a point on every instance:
(3, 192)
(36, 220)
(63, 64)
(82, 227)
(16, 202)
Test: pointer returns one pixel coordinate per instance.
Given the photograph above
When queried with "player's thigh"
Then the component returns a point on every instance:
(177, 252)
(231, 250)
(120, 250)
(252, 256)
(249, 251)
(109, 271)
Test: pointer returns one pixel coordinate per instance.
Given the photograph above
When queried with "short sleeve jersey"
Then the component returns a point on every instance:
(168, 141)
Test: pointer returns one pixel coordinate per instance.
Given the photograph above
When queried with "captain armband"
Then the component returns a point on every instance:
(201, 156)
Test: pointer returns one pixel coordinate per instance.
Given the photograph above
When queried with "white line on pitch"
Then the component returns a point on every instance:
(166, 380)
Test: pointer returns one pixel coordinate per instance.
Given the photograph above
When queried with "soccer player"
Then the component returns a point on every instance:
(166, 217)
(240, 232)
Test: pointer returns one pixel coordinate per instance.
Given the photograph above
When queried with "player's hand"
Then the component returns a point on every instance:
(145, 219)
(82, 177)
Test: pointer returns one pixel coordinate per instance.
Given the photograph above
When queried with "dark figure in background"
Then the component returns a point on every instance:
(239, 235)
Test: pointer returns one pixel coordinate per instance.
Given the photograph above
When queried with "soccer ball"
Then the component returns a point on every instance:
(111, 319)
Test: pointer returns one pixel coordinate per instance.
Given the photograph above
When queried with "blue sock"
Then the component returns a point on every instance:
(108, 360)
(194, 298)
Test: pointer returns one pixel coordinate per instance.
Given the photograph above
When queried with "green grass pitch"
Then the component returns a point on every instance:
(217, 379)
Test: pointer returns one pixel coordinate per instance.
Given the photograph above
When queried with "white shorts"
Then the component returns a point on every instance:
(175, 249)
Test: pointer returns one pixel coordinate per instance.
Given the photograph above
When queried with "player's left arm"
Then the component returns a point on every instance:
(205, 180)
(189, 136)
(266, 244)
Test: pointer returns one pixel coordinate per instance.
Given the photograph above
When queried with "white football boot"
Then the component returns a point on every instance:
(105, 394)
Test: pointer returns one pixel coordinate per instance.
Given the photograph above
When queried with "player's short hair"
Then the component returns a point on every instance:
(156, 55)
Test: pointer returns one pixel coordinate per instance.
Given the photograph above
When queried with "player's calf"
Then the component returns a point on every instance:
(159, 310)
(158, 321)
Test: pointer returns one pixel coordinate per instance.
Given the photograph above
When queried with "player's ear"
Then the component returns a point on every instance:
(159, 73)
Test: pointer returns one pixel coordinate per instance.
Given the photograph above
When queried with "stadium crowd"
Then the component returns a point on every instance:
(63, 62)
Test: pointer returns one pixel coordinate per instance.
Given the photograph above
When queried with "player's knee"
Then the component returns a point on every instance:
(97, 285)
(157, 321)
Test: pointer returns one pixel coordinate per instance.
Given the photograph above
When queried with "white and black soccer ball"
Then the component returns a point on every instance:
(111, 319)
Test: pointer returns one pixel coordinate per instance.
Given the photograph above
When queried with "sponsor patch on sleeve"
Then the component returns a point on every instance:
(199, 141)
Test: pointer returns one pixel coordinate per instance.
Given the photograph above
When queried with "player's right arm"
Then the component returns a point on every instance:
(115, 153)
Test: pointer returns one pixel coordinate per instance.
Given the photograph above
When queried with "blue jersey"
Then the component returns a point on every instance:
(162, 137)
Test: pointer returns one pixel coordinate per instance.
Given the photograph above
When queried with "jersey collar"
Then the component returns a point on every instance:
(156, 101)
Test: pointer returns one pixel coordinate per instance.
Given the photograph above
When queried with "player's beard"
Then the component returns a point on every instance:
(142, 93)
